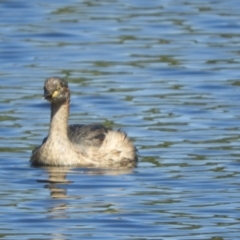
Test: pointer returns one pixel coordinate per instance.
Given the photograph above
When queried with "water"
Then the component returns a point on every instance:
(166, 73)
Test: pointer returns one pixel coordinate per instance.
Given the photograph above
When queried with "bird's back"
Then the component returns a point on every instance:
(108, 147)
(87, 135)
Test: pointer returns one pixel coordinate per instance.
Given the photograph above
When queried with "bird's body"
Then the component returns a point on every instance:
(79, 145)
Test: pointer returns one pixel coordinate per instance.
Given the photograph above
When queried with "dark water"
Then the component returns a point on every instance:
(168, 74)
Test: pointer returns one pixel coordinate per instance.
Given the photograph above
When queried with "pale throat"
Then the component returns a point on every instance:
(59, 120)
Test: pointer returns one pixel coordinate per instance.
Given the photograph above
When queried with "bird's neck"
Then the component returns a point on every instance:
(59, 120)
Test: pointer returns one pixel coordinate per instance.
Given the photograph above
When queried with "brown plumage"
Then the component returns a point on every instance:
(79, 145)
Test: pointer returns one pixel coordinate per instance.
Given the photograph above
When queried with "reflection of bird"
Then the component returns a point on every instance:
(79, 145)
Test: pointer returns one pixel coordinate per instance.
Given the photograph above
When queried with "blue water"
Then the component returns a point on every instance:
(165, 72)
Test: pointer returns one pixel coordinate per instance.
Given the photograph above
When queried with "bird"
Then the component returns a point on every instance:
(79, 145)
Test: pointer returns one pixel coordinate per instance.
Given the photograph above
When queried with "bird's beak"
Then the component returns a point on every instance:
(47, 95)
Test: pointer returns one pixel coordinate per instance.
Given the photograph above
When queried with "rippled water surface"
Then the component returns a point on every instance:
(165, 72)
